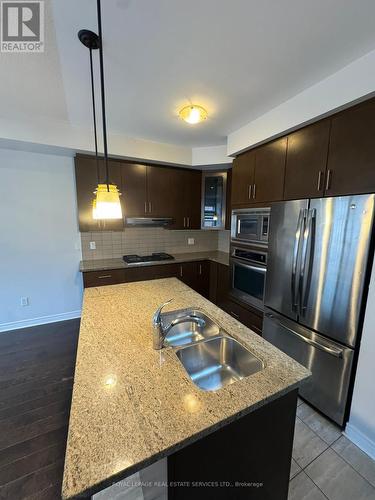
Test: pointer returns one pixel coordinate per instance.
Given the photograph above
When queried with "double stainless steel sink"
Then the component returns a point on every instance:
(211, 358)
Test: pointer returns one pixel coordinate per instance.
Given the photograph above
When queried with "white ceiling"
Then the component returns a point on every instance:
(238, 58)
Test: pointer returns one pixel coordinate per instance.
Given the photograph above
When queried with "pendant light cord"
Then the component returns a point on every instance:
(94, 115)
(102, 92)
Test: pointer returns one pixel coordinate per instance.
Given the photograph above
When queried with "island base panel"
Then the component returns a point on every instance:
(255, 452)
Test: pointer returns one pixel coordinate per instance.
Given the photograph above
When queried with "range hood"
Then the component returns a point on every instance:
(148, 221)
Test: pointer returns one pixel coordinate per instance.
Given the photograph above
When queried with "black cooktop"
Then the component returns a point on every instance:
(155, 257)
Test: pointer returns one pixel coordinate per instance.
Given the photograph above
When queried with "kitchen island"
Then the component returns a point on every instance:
(132, 405)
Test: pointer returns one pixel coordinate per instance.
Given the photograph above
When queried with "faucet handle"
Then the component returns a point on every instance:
(157, 319)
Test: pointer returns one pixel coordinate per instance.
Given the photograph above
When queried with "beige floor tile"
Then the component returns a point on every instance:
(361, 462)
(307, 445)
(337, 479)
(325, 429)
(302, 488)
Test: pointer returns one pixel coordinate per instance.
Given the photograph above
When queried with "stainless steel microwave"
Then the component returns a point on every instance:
(251, 226)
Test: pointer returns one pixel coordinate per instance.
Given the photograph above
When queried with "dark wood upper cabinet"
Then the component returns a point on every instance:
(86, 182)
(243, 178)
(192, 199)
(269, 171)
(87, 177)
(176, 193)
(133, 189)
(187, 200)
(351, 157)
(306, 161)
(161, 192)
(228, 206)
(147, 191)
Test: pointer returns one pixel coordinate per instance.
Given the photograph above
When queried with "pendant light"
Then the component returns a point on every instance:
(106, 204)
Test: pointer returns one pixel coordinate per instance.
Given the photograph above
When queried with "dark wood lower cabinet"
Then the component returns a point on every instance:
(250, 318)
(247, 459)
(101, 278)
(117, 276)
(150, 273)
(197, 276)
(187, 273)
(194, 274)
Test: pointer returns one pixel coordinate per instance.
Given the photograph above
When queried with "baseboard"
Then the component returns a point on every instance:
(25, 323)
(361, 440)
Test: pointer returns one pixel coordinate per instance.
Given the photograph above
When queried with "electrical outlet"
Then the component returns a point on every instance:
(92, 245)
(25, 301)
(191, 241)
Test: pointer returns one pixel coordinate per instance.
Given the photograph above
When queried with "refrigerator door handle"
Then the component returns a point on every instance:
(338, 353)
(296, 251)
(307, 243)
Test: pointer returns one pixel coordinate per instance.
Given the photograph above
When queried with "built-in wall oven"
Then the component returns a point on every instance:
(249, 252)
(248, 274)
(250, 226)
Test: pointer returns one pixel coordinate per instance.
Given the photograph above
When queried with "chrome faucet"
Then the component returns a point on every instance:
(160, 331)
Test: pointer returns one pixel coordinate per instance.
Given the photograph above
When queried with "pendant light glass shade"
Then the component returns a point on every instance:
(107, 203)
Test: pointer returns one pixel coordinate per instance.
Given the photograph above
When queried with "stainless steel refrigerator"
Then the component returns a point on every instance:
(317, 274)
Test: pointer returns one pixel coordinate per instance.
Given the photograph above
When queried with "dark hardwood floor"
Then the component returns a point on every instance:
(36, 380)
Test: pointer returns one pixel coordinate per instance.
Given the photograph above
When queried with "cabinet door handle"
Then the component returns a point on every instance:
(254, 191)
(234, 315)
(184, 221)
(104, 276)
(181, 273)
(249, 189)
(188, 222)
(200, 269)
(320, 175)
(145, 207)
(150, 206)
(329, 178)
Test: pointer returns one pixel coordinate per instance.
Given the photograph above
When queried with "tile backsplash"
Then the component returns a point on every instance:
(143, 241)
(223, 241)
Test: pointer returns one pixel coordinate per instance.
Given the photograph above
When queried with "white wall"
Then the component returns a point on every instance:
(361, 426)
(214, 155)
(39, 239)
(343, 87)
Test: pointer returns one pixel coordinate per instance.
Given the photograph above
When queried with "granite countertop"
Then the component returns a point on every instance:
(103, 264)
(133, 405)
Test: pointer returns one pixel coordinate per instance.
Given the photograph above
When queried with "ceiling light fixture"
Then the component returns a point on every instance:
(193, 114)
(106, 204)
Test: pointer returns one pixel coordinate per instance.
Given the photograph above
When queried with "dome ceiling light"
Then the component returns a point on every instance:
(193, 114)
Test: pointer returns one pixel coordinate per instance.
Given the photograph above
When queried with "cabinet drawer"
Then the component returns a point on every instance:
(101, 278)
(248, 318)
(150, 272)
